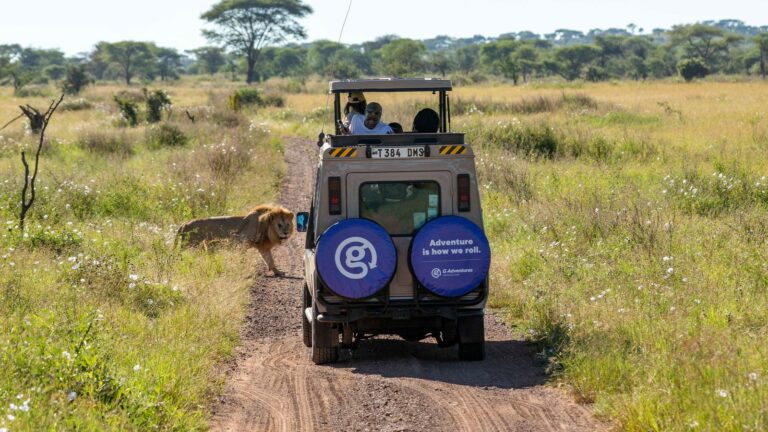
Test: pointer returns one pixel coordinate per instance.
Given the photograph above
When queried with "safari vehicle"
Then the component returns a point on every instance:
(395, 242)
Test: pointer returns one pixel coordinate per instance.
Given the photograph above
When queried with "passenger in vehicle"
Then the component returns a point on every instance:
(426, 121)
(355, 105)
(371, 124)
(396, 127)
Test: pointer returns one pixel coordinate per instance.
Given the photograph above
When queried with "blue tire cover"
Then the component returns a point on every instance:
(356, 258)
(450, 256)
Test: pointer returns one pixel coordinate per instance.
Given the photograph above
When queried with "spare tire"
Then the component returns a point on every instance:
(450, 256)
(355, 258)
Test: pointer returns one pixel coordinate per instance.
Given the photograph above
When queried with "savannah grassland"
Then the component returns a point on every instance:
(629, 226)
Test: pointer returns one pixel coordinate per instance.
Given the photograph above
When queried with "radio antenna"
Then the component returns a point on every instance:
(328, 96)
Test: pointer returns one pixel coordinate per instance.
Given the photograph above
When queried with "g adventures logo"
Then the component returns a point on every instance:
(359, 257)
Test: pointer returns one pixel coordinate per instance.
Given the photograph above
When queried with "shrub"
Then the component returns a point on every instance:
(274, 100)
(244, 97)
(156, 101)
(75, 80)
(165, 135)
(129, 110)
(692, 68)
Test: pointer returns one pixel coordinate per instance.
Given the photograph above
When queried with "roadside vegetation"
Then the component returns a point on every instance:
(104, 324)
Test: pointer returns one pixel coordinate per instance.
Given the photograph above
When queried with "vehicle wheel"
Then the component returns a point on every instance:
(471, 338)
(325, 342)
(306, 326)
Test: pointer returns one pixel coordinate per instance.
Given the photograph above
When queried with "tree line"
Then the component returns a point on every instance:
(249, 40)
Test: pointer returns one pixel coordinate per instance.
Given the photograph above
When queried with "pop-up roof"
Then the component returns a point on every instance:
(391, 84)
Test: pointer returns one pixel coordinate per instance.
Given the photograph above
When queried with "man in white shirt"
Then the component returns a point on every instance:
(371, 123)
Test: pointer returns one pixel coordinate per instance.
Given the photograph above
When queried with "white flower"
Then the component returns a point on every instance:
(11, 417)
(71, 396)
(2, 429)
(76, 266)
(131, 285)
(67, 355)
(722, 393)
(752, 376)
(136, 368)
(133, 277)
(670, 270)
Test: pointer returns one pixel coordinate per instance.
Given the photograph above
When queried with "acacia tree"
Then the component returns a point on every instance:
(703, 41)
(246, 26)
(130, 56)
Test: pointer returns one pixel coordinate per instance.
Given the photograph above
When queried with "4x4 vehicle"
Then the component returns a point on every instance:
(395, 241)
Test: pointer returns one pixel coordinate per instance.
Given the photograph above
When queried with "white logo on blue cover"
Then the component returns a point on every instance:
(355, 257)
(436, 273)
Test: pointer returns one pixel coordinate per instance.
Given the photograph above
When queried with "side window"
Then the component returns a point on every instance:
(401, 207)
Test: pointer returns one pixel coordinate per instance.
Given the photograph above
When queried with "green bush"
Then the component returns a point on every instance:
(274, 100)
(156, 101)
(129, 110)
(165, 135)
(244, 97)
(75, 80)
(692, 68)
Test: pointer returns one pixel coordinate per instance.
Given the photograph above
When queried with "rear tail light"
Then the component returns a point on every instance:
(334, 195)
(463, 188)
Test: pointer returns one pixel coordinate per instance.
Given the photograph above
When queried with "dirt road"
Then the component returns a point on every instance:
(386, 384)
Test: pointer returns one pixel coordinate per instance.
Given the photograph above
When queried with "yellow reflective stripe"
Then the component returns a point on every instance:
(453, 149)
(343, 152)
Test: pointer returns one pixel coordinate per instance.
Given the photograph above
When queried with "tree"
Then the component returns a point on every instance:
(246, 26)
(762, 45)
(572, 59)
(401, 57)
(209, 59)
(466, 58)
(168, 63)
(75, 80)
(130, 57)
(440, 62)
(703, 41)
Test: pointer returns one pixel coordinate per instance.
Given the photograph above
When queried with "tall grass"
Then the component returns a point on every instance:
(641, 274)
(104, 325)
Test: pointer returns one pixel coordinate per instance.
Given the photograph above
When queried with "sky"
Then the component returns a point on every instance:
(74, 26)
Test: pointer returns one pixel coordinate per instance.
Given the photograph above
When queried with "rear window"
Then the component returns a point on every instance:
(401, 207)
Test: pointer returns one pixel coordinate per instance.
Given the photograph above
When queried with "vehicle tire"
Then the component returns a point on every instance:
(325, 342)
(471, 338)
(306, 326)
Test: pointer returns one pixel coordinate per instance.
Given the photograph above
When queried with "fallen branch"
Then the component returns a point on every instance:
(29, 184)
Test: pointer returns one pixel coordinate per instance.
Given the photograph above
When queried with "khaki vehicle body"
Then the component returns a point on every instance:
(428, 169)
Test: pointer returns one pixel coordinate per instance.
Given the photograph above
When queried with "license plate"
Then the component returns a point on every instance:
(397, 152)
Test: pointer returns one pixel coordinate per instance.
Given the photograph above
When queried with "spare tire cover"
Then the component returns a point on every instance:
(450, 256)
(356, 258)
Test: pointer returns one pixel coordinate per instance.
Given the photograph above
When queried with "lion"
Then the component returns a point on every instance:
(263, 228)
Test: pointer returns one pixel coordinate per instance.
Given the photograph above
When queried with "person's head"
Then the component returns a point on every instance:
(356, 101)
(372, 115)
(426, 120)
(396, 127)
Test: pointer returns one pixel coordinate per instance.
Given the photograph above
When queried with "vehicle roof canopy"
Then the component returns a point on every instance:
(391, 85)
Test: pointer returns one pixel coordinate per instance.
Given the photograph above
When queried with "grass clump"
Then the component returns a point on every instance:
(165, 135)
(104, 141)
